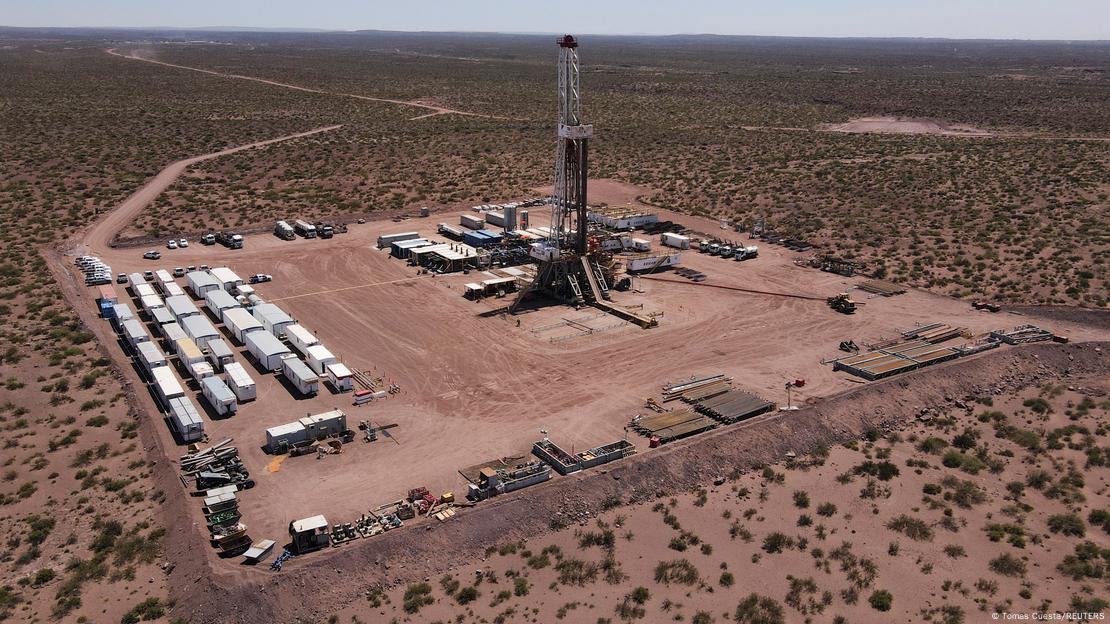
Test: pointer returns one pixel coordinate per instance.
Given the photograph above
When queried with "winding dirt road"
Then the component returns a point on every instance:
(98, 238)
(435, 110)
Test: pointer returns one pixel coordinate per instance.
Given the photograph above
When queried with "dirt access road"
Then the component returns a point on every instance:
(435, 110)
(97, 239)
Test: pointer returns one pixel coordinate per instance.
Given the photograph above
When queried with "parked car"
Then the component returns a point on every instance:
(153, 255)
(260, 278)
(149, 276)
(208, 239)
(121, 278)
(204, 267)
(171, 244)
(178, 272)
(182, 243)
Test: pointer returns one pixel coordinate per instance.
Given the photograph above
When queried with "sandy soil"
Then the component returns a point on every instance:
(434, 109)
(897, 125)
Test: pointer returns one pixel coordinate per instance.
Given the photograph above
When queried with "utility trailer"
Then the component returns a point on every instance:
(219, 396)
(300, 375)
(240, 382)
(185, 420)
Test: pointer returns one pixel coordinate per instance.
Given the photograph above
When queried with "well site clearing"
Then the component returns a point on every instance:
(383, 373)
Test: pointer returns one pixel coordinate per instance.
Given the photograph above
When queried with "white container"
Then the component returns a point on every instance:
(385, 240)
(150, 356)
(217, 301)
(301, 376)
(678, 241)
(266, 349)
(273, 318)
(199, 329)
(650, 262)
(200, 282)
(151, 302)
(135, 332)
(227, 278)
(161, 278)
(472, 222)
(318, 357)
(185, 419)
(495, 218)
(300, 337)
(172, 332)
(181, 306)
(143, 290)
(640, 244)
(219, 354)
(239, 382)
(202, 371)
(166, 385)
(289, 433)
(340, 377)
(134, 280)
(219, 396)
(172, 289)
(188, 352)
(240, 322)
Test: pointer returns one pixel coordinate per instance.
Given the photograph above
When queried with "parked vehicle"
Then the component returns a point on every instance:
(121, 278)
(208, 239)
(305, 229)
(179, 272)
(181, 242)
(261, 278)
(153, 255)
(148, 276)
(230, 240)
(284, 231)
(171, 244)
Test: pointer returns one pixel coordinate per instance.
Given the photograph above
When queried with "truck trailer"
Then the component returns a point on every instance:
(240, 323)
(219, 396)
(237, 379)
(266, 349)
(300, 375)
(300, 337)
(184, 419)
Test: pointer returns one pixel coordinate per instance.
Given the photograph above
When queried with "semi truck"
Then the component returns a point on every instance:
(230, 240)
(284, 231)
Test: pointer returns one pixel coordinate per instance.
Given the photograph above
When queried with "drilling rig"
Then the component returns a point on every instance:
(570, 261)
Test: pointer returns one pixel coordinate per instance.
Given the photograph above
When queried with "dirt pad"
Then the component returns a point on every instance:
(898, 125)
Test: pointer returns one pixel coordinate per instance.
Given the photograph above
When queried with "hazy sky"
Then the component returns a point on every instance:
(1021, 19)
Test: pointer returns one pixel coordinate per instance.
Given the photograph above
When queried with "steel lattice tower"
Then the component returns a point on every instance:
(571, 155)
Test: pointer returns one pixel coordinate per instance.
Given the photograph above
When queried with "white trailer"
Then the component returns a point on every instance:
(219, 396)
(227, 278)
(318, 357)
(640, 244)
(240, 322)
(185, 420)
(217, 301)
(472, 222)
(678, 241)
(300, 375)
(200, 282)
(202, 371)
(300, 337)
(495, 218)
(161, 278)
(150, 356)
(340, 377)
(123, 312)
(199, 329)
(188, 352)
(219, 353)
(151, 302)
(181, 306)
(172, 289)
(135, 332)
(240, 382)
(172, 332)
(134, 280)
(161, 317)
(646, 263)
(143, 290)
(385, 240)
(305, 429)
(273, 318)
(266, 349)
(166, 385)
(279, 438)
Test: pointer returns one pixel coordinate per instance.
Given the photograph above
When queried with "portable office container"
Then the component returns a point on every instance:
(273, 318)
(267, 349)
(318, 357)
(202, 371)
(181, 306)
(172, 289)
(300, 375)
(240, 322)
(161, 278)
(106, 293)
(385, 240)
(217, 301)
(134, 332)
(121, 312)
(219, 353)
(172, 332)
(472, 222)
(199, 329)
(200, 282)
(340, 377)
(244, 290)
(150, 356)
(134, 280)
(185, 419)
(166, 385)
(237, 379)
(227, 278)
(678, 241)
(143, 290)
(652, 262)
(400, 249)
(300, 338)
(188, 352)
(219, 396)
(161, 318)
(285, 435)
(151, 302)
(323, 425)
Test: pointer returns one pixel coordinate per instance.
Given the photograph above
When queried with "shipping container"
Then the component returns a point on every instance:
(181, 306)
(385, 240)
(217, 301)
(678, 241)
(199, 329)
(281, 437)
(134, 332)
(150, 356)
(400, 249)
(239, 323)
(273, 318)
(495, 218)
(472, 222)
(300, 338)
(318, 357)
(266, 349)
(236, 378)
(166, 386)
(219, 396)
(219, 353)
(185, 420)
(200, 282)
(647, 263)
(300, 375)
(340, 377)
(227, 278)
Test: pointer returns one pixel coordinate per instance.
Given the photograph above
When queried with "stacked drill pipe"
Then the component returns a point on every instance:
(673, 425)
(676, 390)
(707, 391)
(734, 406)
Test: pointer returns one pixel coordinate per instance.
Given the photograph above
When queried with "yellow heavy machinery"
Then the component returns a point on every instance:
(843, 303)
